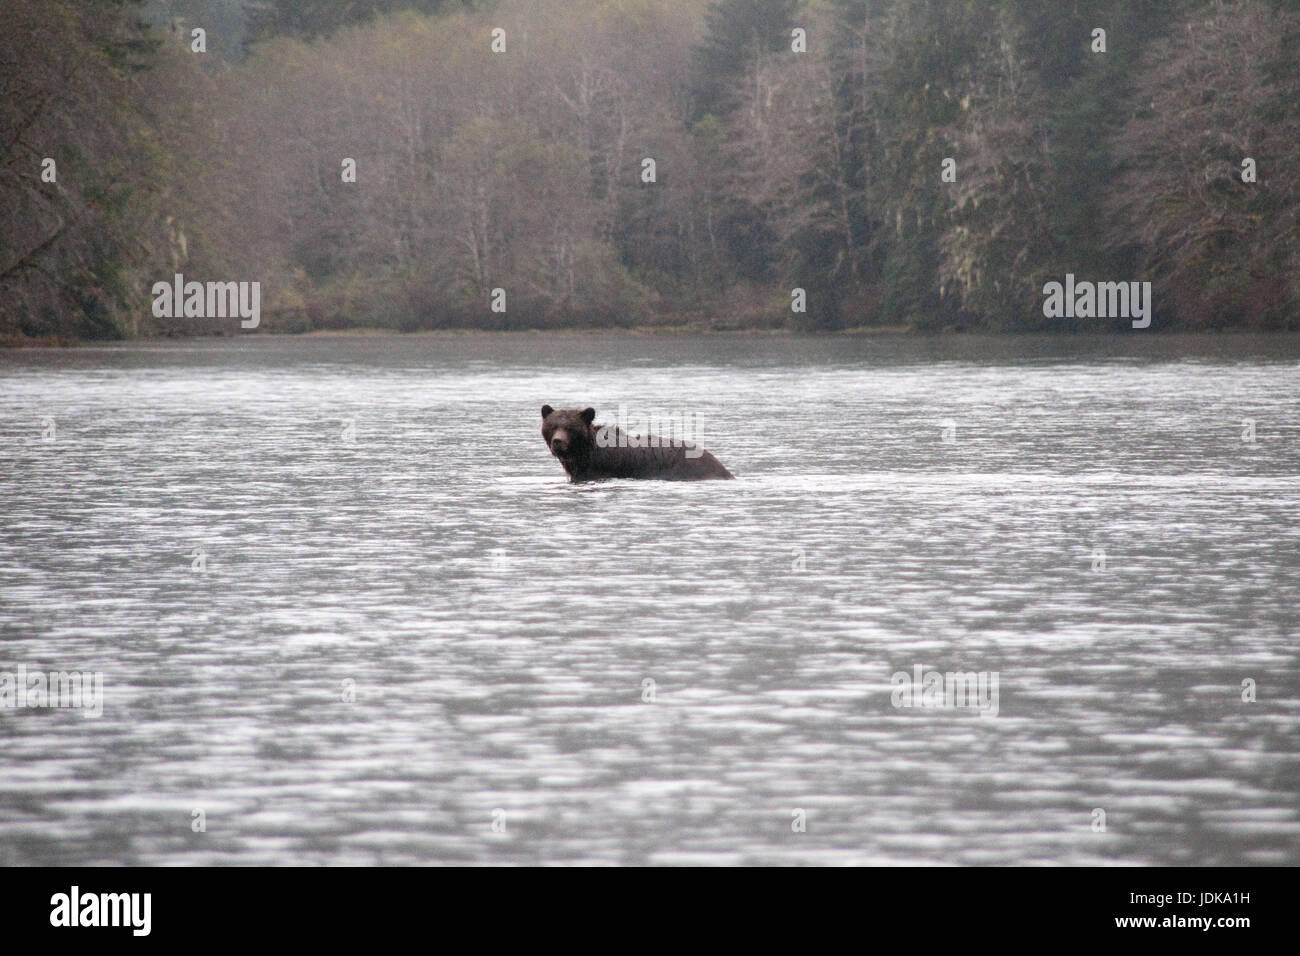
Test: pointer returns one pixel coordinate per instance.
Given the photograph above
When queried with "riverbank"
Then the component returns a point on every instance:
(906, 331)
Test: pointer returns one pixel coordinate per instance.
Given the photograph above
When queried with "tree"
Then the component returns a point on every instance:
(1220, 249)
(71, 232)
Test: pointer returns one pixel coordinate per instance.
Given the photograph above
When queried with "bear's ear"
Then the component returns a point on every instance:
(588, 415)
(546, 410)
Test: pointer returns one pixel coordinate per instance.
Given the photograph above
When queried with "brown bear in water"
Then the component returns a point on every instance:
(595, 452)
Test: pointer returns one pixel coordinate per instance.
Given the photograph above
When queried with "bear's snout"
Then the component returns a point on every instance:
(560, 443)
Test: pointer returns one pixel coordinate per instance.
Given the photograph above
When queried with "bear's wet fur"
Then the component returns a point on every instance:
(572, 436)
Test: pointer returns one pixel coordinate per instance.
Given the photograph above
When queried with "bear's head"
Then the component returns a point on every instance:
(568, 432)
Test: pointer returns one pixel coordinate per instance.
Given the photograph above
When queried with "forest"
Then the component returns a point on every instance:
(908, 165)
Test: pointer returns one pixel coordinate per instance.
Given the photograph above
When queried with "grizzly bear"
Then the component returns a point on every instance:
(592, 452)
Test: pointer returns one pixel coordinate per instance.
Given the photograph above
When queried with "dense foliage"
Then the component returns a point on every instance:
(524, 170)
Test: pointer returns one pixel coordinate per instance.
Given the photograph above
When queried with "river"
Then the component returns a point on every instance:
(346, 610)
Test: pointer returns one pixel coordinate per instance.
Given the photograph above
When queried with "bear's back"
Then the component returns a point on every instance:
(618, 455)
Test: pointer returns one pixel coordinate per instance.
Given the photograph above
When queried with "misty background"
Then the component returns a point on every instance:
(522, 170)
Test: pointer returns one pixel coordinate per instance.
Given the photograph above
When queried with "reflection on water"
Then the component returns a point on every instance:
(401, 631)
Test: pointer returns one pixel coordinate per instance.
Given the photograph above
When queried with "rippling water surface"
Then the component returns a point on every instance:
(900, 503)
